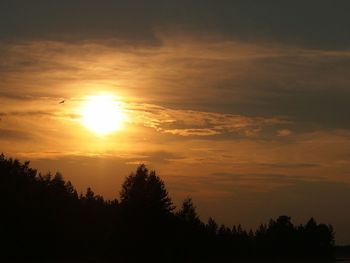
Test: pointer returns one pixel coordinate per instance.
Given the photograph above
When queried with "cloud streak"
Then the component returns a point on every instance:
(197, 123)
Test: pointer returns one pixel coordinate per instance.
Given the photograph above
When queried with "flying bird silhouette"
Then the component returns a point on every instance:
(61, 102)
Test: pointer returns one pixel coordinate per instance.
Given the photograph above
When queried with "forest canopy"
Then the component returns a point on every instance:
(44, 217)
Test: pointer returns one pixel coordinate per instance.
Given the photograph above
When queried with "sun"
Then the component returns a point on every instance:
(102, 114)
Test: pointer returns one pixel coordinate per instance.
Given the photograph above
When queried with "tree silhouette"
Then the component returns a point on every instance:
(212, 227)
(147, 213)
(44, 219)
(188, 212)
(144, 193)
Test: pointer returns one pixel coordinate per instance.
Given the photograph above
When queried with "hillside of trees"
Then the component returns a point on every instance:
(43, 218)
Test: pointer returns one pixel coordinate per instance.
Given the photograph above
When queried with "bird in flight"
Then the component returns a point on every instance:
(62, 101)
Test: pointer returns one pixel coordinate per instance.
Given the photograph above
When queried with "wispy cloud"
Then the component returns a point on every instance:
(26, 113)
(197, 123)
(14, 135)
(284, 133)
(294, 165)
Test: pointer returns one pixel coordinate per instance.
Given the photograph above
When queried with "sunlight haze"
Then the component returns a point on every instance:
(243, 107)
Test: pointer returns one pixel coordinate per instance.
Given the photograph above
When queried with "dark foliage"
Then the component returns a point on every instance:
(44, 218)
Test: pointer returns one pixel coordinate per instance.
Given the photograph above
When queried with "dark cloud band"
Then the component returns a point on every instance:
(314, 24)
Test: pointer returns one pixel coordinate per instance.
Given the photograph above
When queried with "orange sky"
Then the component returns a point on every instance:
(250, 128)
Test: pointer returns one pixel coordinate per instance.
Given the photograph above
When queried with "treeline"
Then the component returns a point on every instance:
(44, 218)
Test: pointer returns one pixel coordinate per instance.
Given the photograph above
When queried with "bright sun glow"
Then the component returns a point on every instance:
(102, 114)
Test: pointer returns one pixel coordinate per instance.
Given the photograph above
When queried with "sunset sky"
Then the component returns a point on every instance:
(242, 105)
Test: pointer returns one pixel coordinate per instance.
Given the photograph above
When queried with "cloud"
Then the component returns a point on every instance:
(135, 158)
(264, 179)
(192, 132)
(14, 135)
(207, 75)
(198, 123)
(284, 133)
(154, 158)
(290, 165)
(14, 96)
(26, 113)
(269, 21)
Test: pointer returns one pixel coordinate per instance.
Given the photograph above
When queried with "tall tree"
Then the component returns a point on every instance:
(144, 193)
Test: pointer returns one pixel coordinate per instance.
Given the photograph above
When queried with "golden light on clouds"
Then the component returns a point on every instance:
(102, 114)
(245, 114)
